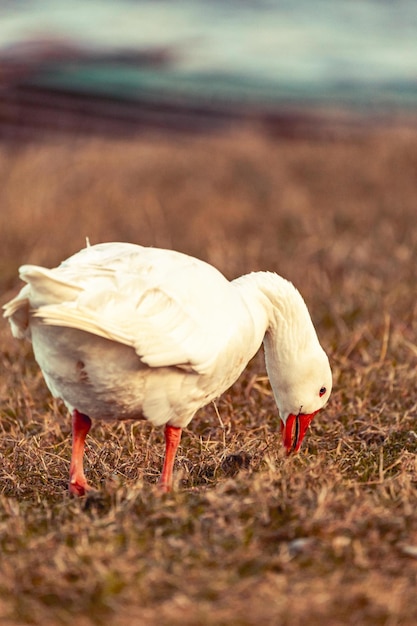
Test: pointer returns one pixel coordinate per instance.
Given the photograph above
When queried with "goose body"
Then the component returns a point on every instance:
(122, 331)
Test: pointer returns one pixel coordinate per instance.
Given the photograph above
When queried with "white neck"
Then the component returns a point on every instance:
(280, 306)
(283, 323)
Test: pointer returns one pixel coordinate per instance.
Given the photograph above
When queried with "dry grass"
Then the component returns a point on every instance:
(328, 537)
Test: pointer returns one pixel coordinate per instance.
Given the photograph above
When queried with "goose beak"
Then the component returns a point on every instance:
(294, 429)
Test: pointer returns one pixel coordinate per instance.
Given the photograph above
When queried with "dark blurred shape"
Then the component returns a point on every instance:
(233, 463)
(52, 85)
(40, 91)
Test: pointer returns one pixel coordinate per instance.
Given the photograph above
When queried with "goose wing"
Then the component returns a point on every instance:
(174, 310)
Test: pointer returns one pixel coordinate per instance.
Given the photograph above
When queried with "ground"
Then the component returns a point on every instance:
(247, 537)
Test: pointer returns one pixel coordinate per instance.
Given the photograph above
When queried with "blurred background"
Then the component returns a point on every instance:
(295, 67)
(264, 134)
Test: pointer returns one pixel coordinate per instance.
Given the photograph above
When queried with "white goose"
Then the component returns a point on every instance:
(122, 331)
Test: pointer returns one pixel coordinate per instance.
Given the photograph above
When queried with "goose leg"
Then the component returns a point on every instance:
(81, 424)
(172, 440)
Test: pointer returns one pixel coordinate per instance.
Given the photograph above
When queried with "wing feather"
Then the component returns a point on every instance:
(161, 303)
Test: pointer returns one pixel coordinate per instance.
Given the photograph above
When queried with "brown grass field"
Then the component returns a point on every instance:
(248, 537)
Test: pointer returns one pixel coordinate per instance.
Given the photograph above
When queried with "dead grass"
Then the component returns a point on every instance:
(248, 537)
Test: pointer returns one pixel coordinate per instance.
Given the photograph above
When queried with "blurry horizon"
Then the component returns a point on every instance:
(358, 57)
(284, 50)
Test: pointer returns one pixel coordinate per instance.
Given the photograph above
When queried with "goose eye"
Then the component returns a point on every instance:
(322, 391)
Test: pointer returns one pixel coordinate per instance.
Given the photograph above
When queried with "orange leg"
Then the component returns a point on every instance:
(81, 424)
(172, 440)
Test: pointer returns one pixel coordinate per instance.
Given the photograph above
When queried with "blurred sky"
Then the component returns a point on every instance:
(360, 49)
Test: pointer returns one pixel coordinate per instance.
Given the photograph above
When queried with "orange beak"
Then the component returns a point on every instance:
(294, 429)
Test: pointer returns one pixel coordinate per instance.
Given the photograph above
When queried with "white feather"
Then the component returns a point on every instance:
(122, 331)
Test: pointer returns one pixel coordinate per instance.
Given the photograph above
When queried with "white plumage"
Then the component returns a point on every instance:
(122, 331)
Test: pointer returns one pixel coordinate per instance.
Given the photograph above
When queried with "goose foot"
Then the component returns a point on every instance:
(79, 487)
(81, 424)
(172, 440)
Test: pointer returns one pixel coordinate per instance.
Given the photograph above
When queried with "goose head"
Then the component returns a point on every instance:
(301, 383)
(298, 367)
(300, 395)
